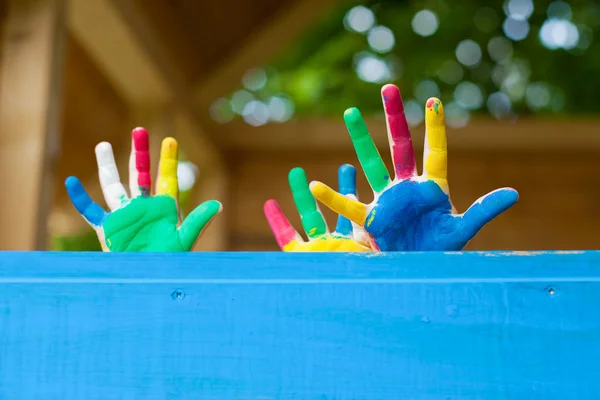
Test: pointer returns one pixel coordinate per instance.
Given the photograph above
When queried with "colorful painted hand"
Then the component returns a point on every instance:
(410, 212)
(141, 222)
(347, 238)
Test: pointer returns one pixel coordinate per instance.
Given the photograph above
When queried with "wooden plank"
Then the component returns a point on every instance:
(480, 134)
(306, 326)
(260, 47)
(31, 83)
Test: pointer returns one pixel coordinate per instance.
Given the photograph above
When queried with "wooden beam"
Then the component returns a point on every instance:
(261, 46)
(121, 39)
(31, 82)
(107, 37)
(481, 134)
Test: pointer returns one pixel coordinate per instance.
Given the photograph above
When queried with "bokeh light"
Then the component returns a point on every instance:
(186, 175)
(559, 9)
(468, 53)
(280, 108)
(499, 105)
(414, 112)
(425, 89)
(256, 113)
(519, 9)
(359, 19)
(559, 33)
(220, 111)
(500, 49)
(456, 116)
(372, 69)
(425, 23)
(254, 79)
(239, 100)
(515, 29)
(537, 96)
(381, 39)
(468, 95)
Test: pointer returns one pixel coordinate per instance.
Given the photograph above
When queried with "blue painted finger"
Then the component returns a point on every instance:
(487, 208)
(92, 212)
(347, 185)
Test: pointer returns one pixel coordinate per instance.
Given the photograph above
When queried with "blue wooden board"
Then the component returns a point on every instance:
(299, 326)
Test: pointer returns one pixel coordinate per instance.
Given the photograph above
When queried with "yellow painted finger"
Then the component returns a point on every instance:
(167, 169)
(353, 210)
(327, 243)
(436, 149)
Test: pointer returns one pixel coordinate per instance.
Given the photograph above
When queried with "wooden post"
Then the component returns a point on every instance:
(212, 185)
(30, 104)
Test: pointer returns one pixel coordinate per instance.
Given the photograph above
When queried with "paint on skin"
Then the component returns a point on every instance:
(150, 224)
(403, 154)
(144, 223)
(312, 219)
(371, 216)
(91, 212)
(283, 231)
(286, 236)
(340, 204)
(142, 159)
(167, 182)
(327, 243)
(436, 159)
(347, 186)
(367, 153)
(416, 216)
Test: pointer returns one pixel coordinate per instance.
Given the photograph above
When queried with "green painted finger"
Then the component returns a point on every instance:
(312, 219)
(368, 156)
(192, 227)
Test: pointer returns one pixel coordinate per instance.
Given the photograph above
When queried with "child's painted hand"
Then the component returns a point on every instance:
(346, 238)
(141, 222)
(410, 212)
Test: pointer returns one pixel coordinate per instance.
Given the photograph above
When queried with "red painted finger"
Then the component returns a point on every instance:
(401, 145)
(283, 231)
(142, 159)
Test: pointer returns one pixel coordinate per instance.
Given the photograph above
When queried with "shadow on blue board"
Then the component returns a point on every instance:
(300, 326)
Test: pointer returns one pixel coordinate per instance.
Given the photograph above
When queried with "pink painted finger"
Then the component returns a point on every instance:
(283, 231)
(401, 145)
(141, 147)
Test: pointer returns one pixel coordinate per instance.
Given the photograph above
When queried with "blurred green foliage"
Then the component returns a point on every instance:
(318, 72)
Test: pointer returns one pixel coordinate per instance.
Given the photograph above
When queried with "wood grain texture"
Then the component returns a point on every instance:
(558, 206)
(299, 326)
(31, 83)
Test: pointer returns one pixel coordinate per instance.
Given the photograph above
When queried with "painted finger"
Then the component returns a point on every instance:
(167, 183)
(112, 188)
(283, 231)
(487, 208)
(90, 211)
(353, 210)
(194, 225)
(139, 163)
(310, 215)
(347, 186)
(435, 154)
(367, 153)
(401, 147)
